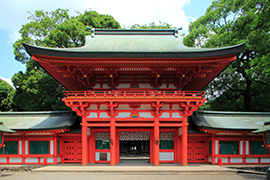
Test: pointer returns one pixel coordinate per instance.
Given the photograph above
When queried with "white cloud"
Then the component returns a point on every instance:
(7, 80)
(14, 14)
(13, 36)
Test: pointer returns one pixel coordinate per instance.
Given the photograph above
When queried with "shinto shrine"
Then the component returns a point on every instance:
(134, 91)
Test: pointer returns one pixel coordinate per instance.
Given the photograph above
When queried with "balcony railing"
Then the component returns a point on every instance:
(134, 94)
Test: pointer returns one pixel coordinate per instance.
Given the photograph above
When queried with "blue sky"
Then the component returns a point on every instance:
(14, 14)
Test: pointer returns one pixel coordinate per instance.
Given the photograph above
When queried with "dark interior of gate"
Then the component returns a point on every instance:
(134, 145)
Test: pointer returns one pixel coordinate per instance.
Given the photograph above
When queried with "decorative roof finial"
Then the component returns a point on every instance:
(176, 32)
(92, 31)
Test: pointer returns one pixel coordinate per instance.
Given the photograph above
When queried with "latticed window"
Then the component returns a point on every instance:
(228, 147)
(166, 144)
(166, 140)
(11, 147)
(39, 147)
(102, 140)
(257, 147)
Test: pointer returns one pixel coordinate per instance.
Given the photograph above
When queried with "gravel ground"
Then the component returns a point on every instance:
(27, 175)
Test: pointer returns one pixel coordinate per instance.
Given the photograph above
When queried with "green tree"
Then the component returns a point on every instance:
(5, 91)
(230, 22)
(153, 25)
(36, 89)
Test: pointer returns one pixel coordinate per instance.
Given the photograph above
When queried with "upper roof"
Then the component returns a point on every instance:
(30, 121)
(243, 121)
(123, 43)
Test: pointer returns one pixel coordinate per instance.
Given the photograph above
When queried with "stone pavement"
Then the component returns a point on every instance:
(130, 166)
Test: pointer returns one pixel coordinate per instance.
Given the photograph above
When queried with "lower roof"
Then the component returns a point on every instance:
(35, 121)
(241, 121)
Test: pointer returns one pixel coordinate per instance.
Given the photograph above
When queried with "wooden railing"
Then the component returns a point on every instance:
(131, 94)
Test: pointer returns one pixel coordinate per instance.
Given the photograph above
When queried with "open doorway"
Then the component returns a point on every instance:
(134, 149)
(134, 145)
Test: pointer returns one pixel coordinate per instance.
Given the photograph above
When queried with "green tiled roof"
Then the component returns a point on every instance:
(264, 128)
(134, 44)
(29, 121)
(5, 129)
(246, 121)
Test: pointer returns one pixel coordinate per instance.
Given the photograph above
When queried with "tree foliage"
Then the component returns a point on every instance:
(6, 91)
(36, 89)
(243, 85)
(153, 25)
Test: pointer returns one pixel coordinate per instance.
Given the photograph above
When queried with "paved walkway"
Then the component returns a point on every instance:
(136, 166)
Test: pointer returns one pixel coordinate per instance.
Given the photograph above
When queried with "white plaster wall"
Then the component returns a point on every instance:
(124, 85)
(123, 107)
(97, 85)
(210, 159)
(176, 115)
(123, 115)
(175, 107)
(31, 160)
(103, 107)
(166, 156)
(145, 85)
(51, 146)
(3, 160)
(26, 147)
(224, 160)
(247, 147)
(105, 85)
(241, 147)
(92, 107)
(216, 146)
(104, 115)
(163, 86)
(20, 147)
(165, 107)
(171, 85)
(165, 115)
(265, 160)
(236, 160)
(145, 107)
(92, 115)
(145, 115)
(252, 160)
(58, 159)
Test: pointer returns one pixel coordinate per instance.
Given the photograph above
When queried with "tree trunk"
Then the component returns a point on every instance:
(247, 96)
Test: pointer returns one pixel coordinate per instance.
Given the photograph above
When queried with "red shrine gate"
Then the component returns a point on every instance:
(133, 81)
(167, 112)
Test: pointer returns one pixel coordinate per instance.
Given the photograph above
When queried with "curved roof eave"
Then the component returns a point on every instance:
(184, 53)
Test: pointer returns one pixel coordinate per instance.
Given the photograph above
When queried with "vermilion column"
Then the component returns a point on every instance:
(156, 142)
(84, 142)
(54, 149)
(184, 142)
(213, 149)
(113, 141)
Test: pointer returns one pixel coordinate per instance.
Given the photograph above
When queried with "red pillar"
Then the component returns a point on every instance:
(92, 147)
(184, 142)
(54, 149)
(23, 148)
(113, 141)
(213, 149)
(84, 142)
(156, 142)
